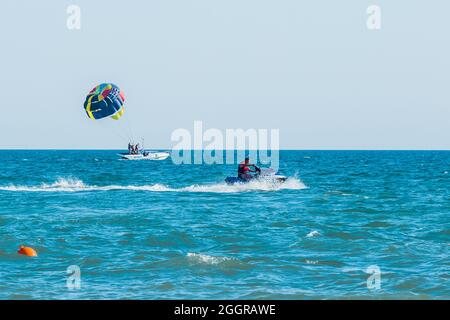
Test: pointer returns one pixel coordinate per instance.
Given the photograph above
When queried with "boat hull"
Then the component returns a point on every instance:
(148, 156)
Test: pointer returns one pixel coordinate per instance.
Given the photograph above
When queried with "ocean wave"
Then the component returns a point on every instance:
(59, 185)
(313, 234)
(257, 185)
(76, 185)
(205, 259)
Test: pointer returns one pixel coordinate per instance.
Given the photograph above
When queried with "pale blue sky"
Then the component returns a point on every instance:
(310, 68)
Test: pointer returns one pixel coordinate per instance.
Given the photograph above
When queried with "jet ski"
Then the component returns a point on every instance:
(145, 155)
(263, 174)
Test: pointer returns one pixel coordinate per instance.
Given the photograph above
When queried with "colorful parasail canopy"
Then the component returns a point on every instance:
(105, 100)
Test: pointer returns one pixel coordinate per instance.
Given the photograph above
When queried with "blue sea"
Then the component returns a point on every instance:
(156, 230)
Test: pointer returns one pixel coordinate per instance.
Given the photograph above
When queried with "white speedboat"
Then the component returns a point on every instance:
(145, 155)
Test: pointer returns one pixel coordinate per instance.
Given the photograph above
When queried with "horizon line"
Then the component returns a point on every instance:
(168, 149)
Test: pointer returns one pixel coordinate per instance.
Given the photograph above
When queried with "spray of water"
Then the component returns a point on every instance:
(76, 185)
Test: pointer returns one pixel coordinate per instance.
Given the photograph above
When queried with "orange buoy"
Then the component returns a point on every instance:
(27, 251)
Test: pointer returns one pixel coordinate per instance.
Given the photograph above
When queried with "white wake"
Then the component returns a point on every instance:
(76, 185)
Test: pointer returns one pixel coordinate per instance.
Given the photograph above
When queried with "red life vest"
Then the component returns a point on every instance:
(243, 168)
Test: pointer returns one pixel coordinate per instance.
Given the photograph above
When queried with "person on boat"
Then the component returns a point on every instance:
(244, 170)
(129, 148)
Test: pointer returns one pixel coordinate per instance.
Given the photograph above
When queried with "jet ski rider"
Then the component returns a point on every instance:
(244, 169)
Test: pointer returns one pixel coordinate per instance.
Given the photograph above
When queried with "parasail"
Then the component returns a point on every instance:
(105, 100)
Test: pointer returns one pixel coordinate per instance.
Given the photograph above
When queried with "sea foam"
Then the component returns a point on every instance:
(203, 258)
(313, 234)
(76, 185)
